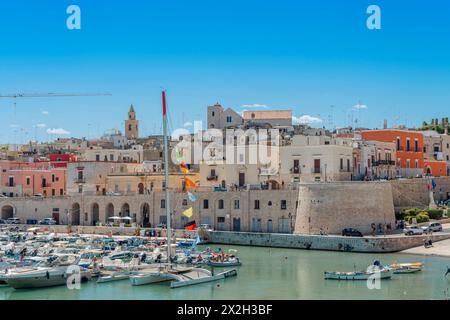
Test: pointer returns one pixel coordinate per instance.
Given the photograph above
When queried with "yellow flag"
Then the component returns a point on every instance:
(188, 213)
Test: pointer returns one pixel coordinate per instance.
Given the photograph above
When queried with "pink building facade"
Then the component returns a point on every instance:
(29, 179)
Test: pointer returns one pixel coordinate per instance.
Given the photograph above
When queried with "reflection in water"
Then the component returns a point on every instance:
(269, 273)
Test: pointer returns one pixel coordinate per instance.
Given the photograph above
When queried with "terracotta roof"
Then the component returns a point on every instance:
(267, 115)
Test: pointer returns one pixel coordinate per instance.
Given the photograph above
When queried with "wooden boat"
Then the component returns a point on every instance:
(357, 275)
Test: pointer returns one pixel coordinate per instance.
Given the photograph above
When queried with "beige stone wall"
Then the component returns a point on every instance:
(414, 192)
(340, 205)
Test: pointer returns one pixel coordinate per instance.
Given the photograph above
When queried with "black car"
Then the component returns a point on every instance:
(350, 232)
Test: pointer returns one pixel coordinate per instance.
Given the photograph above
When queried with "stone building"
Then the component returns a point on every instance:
(132, 125)
(220, 118)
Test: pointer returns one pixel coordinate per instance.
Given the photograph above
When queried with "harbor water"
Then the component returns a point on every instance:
(269, 273)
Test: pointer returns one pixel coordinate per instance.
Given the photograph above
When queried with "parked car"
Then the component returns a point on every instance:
(38, 195)
(2, 221)
(47, 222)
(413, 231)
(13, 221)
(350, 232)
(2, 196)
(433, 227)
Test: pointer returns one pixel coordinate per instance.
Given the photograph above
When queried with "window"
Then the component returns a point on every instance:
(342, 164)
(53, 178)
(408, 145)
(97, 157)
(348, 165)
(269, 204)
(206, 204)
(398, 144)
(111, 157)
(283, 204)
(185, 202)
(316, 165)
(28, 181)
(213, 113)
(416, 146)
(61, 192)
(229, 119)
(53, 192)
(236, 205)
(80, 175)
(256, 204)
(163, 203)
(221, 204)
(417, 164)
(220, 219)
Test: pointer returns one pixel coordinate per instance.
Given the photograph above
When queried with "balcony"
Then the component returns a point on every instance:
(383, 163)
(268, 171)
(212, 178)
(10, 185)
(295, 170)
(79, 181)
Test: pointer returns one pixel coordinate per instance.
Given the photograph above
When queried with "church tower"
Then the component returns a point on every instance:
(132, 125)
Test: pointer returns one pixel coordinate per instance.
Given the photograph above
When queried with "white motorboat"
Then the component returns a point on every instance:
(53, 273)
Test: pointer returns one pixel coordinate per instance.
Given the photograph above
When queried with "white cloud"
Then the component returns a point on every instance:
(187, 124)
(58, 131)
(41, 125)
(254, 106)
(360, 107)
(45, 113)
(306, 119)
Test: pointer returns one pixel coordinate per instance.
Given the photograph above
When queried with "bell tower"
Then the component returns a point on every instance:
(132, 125)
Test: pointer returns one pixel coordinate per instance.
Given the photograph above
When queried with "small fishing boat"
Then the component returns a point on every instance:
(406, 270)
(408, 264)
(357, 275)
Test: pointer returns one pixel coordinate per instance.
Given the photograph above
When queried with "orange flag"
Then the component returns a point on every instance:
(189, 183)
(184, 168)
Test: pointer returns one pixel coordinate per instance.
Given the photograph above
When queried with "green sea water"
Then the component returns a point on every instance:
(269, 273)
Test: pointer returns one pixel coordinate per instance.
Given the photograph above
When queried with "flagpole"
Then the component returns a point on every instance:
(166, 178)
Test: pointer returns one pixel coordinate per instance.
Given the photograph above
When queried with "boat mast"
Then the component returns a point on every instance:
(166, 179)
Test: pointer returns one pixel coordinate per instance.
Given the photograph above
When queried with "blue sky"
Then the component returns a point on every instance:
(300, 55)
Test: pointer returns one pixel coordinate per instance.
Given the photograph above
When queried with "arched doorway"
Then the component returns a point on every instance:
(109, 212)
(7, 212)
(274, 185)
(145, 213)
(141, 188)
(75, 214)
(95, 213)
(125, 211)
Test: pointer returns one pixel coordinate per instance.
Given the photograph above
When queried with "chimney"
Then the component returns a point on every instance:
(385, 124)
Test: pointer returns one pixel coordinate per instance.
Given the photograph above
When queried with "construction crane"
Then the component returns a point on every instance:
(50, 95)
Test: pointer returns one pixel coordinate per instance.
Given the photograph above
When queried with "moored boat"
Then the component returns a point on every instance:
(358, 275)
